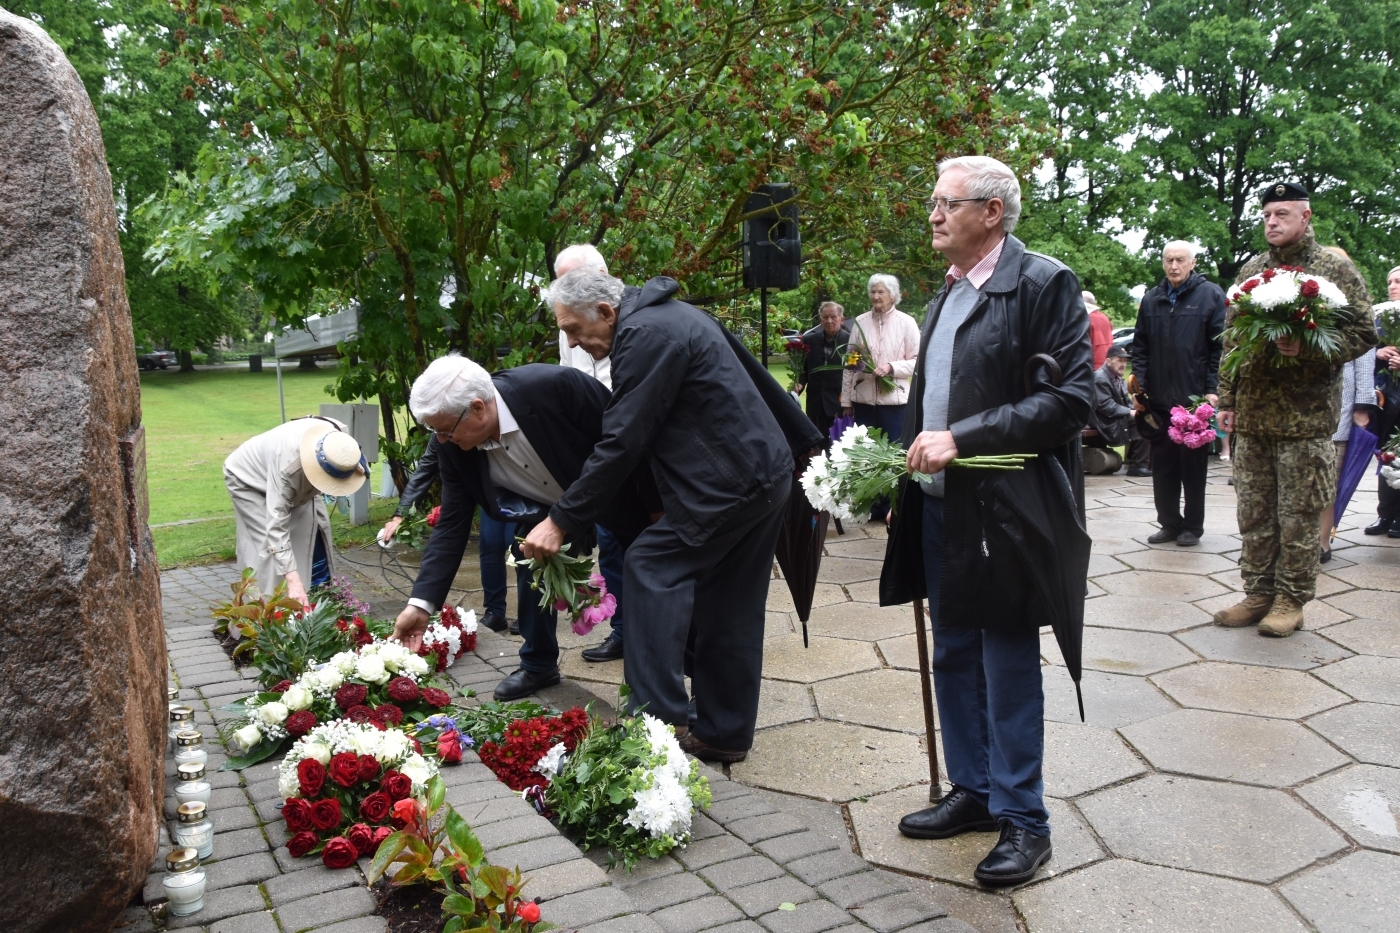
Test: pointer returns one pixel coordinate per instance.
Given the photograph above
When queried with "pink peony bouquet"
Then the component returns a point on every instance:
(598, 605)
(1191, 426)
(569, 584)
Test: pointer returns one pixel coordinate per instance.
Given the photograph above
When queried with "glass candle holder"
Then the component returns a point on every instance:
(193, 829)
(181, 719)
(191, 784)
(172, 694)
(189, 748)
(184, 882)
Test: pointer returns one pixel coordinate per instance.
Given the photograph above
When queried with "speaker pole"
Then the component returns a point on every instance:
(763, 322)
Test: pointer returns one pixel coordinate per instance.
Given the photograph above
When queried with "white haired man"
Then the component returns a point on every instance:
(511, 444)
(1005, 367)
(1176, 357)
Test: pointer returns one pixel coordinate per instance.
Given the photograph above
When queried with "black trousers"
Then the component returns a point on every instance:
(1178, 469)
(718, 589)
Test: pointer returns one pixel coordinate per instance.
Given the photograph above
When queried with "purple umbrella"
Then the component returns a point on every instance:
(1361, 446)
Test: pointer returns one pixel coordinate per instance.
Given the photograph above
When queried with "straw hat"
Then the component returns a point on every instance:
(331, 459)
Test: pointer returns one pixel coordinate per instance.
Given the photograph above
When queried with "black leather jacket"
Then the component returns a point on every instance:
(423, 475)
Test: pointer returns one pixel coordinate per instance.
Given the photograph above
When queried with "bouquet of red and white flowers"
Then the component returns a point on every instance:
(450, 635)
(797, 351)
(1389, 457)
(1281, 304)
(1192, 426)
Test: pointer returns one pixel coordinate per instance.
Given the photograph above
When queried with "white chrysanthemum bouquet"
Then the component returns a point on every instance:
(1281, 304)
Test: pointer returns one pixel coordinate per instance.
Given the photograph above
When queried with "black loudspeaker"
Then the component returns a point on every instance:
(772, 245)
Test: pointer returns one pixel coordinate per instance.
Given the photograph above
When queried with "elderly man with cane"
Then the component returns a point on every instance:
(1004, 367)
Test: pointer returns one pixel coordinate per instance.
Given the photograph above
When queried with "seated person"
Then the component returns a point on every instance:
(1111, 421)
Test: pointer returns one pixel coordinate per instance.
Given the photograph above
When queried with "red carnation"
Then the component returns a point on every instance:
(375, 807)
(382, 833)
(529, 912)
(311, 775)
(386, 714)
(362, 837)
(433, 516)
(449, 617)
(369, 767)
(339, 853)
(359, 713)
(325, 814)
(436, 698)
(297, 813)
(1310, 289)
(350, 695)
(345, 769)
(301, 843)
(449, 747)
(300, 723)
(282, 686)
(397, 785)
(403, 690)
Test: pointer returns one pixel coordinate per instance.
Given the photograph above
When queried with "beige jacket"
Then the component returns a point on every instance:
(894, 339)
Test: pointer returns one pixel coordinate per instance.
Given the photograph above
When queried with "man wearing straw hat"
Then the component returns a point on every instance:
(275, 481)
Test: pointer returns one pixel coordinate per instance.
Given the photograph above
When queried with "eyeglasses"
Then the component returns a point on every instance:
(946, 205)
(445, 435)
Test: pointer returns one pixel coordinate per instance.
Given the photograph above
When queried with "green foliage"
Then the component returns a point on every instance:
(282, 649)
(249, 612)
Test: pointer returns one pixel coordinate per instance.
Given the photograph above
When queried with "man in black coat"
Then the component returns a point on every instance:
(1111, 423)
(824, 343)
(1176, 355)
(718, 433)
(518, 441)
(1005, 366)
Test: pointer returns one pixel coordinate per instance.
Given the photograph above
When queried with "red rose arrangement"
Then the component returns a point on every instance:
(525, 742)
(357, 630)
(345, 809)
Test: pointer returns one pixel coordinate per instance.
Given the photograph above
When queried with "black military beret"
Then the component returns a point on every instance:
(1283, 191)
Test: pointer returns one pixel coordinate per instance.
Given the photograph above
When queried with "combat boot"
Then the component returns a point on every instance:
(1250, 610)
(1284, 618)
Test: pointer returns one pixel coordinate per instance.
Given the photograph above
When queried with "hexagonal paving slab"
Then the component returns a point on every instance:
(848, 570)
(1121, 652)
(1172, 586)
(786, 659)
(1180, 560)
(902, 651)
(832, 760)
(780, 701)
(1359, 893)
(1100, 564)
(1110, 700)
(1373, 680)
(1300, 651)
(1368, 636)
(885, 699)
(1367, 604)
(1255, 691)
(1224, 829)
(780, 597)
(1119, 895)
(1080, 758)
(1143, 614)
(1369, 732)
(860, 621)
(1248, 749)
(1364, 800)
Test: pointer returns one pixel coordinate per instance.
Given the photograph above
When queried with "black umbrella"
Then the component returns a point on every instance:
(800, 542)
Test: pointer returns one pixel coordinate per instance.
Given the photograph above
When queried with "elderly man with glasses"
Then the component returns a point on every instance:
(512, 443)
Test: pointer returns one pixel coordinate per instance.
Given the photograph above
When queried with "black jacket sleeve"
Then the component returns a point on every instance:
(1214, 330)
(422, 478)
(443, 555)
(1139, 350)
(1106, 407)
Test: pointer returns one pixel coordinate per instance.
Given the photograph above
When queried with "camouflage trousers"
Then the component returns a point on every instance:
(1282, 484)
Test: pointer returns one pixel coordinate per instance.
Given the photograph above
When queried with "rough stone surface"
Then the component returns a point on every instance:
(1363, 801)
(81, 639)
(1358, 894)
(1243, 688)
(1248, 749)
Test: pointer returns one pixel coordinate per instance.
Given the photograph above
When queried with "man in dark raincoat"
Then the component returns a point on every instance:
(980, 543)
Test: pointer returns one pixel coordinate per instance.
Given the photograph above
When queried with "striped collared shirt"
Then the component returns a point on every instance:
(980, 273)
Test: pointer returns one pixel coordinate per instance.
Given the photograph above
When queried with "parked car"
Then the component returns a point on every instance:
(157, 359)
(1123, 336)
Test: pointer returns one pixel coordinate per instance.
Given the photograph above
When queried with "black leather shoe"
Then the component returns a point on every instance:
(1014, 859)
(1165, 536)
(1187, 539)
(1138, 471)
(494, 621)
(1325, 556)
(1380, 526)
(957, 813)
(514, 627)
(1394, 531)
(707, 752)
(523, 683)
(609, 650)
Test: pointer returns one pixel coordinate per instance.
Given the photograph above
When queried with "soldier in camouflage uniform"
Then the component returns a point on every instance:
(1283, 417)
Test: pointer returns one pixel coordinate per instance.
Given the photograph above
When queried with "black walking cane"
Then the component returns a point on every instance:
(935, 788)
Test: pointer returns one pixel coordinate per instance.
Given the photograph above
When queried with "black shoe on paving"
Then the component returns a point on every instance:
(1394, 531)
(1014, 859)
(1380, 526)
(609, 650)
(1187, 539)
(1138, 471)
(706, 752)
(494, 621)
(514, 627)
(1165, 536)
(957, 813)
(1325, 556)
(523, 683)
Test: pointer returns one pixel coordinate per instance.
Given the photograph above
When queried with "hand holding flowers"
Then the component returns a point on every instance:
(1279, 313)
(568, 584)
(1191, 427)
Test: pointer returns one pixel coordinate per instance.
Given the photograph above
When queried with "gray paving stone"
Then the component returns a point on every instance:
(742, 926)
(209, 679)
(1110, 700)
(709, 851)
(898, 911)
(659, 893)
(1248, 749)
(463, 795)
(324, 909)
(702, 827)
(736, 873)
(635, 923)
(259, 791)
(219, 693)
(565, 878)
(1080, 758)
(795, 846)
(721, 787)
(238, 842)
(764, 897)
(585, 907)
(253, 868)
(517, 829)
(308, 882)
(358, 925)
(739, 807)
(855, 890)
(230, 902)
(1249, 689)
(945, 925)
(1369, 732)
(269, 810)
(818, 869)
(645, 870)
(485, 812)
(1302, 651)
(466, 774)
(1363, 801)
(247, 923)
(1372, 680)
(1359, 893)
(809, 917)
(1115, 651)
(535, 854)
(700, 914)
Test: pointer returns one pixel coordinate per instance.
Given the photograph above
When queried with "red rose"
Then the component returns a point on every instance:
(433, 516)
(281, 687)
(364, 638)
(450, 748)
(375, 807)
(359, 713)
(529, 912)
(396, 785)
(1268, 275)
(403, 690)
(345, 769)
(386, 714)
(297, 813)
(350, 695)
(300, 723)
(1312, 325)
(362, 838)
(339, 853)
(369, 767)
(1310, 289)
(312, 776)
(301, 843)
(325, 814)
(342, 625)
(382, 833)
(1250, 286)
(403, 812)
(436, 698)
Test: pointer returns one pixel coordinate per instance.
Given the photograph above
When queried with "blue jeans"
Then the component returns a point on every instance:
(495, 538)
(610, 554)
(890, 419)
(990, 703)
